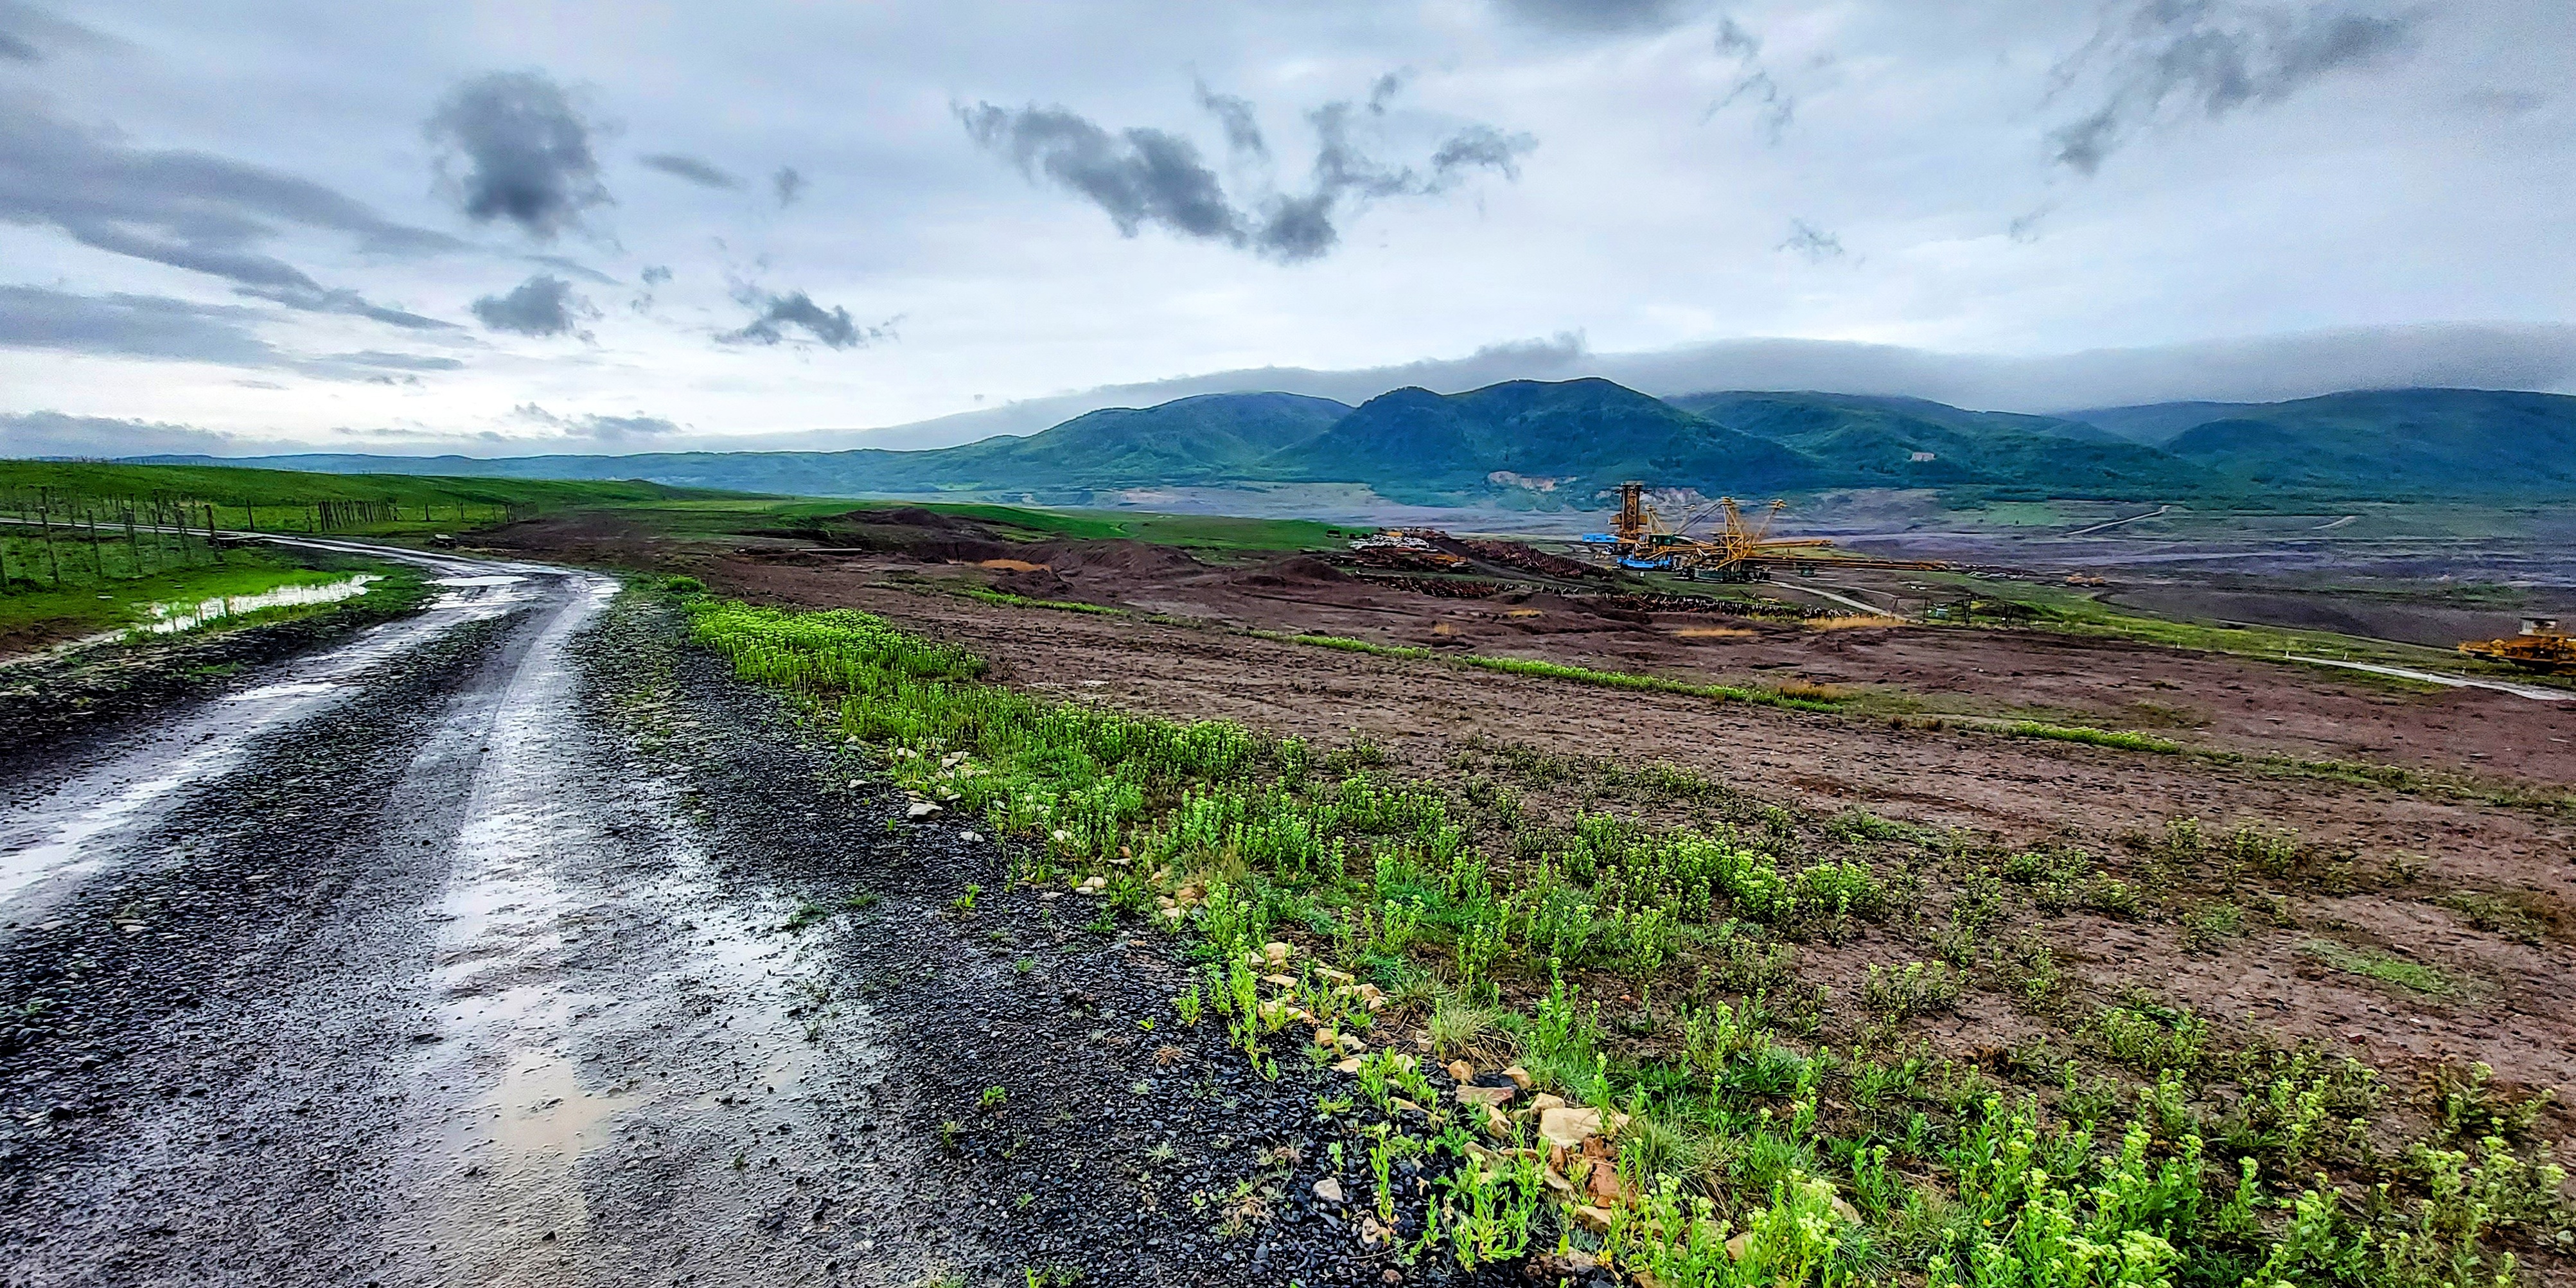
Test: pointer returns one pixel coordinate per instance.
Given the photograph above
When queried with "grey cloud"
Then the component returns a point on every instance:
(575, 268)
(2150, 57)
(1812, 242)
(189, 210)
(787, 184)
(656, 274)
(524, 149)
(136, 326)
(398, 361)
(314, 299)
(702, 173)
(1139, 176)
(602, 428)
(53, 433)
(1143, 177)
(157, 327)
(1235, 116)
(776, 314)
(541, 305)
(1597, 16)
(1775, 106)
(29, 34)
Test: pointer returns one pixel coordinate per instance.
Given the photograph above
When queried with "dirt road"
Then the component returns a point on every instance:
(516, 944)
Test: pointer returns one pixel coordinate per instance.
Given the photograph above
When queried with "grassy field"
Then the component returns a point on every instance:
(86, 603)
(1213, 533)
(292, 501)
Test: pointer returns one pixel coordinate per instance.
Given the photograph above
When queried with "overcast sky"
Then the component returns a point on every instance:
(528, 225)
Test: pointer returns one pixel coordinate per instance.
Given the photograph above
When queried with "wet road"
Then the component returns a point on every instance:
(392, 967)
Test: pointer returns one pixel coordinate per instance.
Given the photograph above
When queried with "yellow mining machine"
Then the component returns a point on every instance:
(2540, 647)
(1640, 540)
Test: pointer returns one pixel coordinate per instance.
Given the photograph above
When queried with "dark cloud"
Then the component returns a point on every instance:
(1812, 242)
(134, 326)
(1597, 16)
(1754, 85)
(1236, 117)
(513, 146)
(54, 434)
(702, 173)
(2152, 58)
(314, 299)
(604, 428)
(541, 305)
(1139, 176)
(656, 274)
(787, 184)
(1143, 176)
(776, 314)
(189, 210)
(29, 34)
(157, 327)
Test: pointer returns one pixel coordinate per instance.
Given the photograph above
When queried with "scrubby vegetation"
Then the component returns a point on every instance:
(1643, 1080)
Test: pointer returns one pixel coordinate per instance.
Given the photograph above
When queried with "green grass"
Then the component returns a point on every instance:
(1216, 534)
(286, 500)
(1561, 671)
(2387, 968)
(2115, 738)
(988, 595)
(1546, 950)
(87, 603)
(2076, 612)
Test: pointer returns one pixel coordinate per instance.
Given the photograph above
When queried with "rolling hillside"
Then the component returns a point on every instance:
(2434, 442)
(1558, 444)
(1910, 442)
(1573, 438)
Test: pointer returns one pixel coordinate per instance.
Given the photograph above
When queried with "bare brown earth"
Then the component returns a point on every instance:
(2405, 855)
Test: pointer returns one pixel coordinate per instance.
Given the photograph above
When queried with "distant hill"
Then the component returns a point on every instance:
(2156, 424)
(1559, 444)
(1911, 442)
(2396, 442)
(1573, 437)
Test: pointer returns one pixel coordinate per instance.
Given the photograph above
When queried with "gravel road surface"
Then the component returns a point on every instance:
(515, 943)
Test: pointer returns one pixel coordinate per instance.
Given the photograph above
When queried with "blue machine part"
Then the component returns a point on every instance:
(1646, 565)
(1599, 539)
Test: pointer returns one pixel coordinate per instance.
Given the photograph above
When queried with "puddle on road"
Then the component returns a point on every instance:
(187, 615)
(613, 1041)
(70, 832)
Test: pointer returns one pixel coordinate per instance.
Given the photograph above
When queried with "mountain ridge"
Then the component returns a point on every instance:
(1551, 444)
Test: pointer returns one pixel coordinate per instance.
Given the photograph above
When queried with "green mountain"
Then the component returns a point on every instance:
(1547, 444)
(2156, 424)
(1573, 438)
(1209, 439)
(1911, 442)
(2396, 442)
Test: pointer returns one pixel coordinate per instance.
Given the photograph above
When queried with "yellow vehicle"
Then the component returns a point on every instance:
(1640, 540)
(2540, 647)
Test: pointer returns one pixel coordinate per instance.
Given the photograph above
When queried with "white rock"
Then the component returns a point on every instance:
(1329, 1190)
(921, 809)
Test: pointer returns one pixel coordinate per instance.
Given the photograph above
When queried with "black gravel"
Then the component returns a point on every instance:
(220, 1057)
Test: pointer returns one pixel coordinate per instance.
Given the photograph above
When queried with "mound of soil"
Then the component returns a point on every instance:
(1294, 571)
(913, 516)
(1128, 558)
